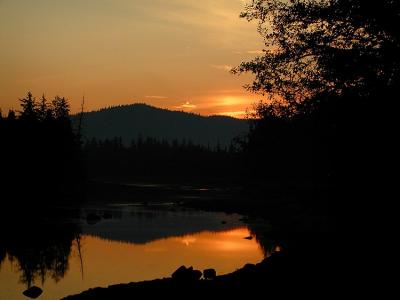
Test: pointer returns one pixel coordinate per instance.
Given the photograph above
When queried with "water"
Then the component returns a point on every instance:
(123, 243)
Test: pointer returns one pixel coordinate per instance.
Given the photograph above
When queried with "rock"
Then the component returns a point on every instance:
(180, 273)
(33, 292)
(186, 274)
(196, 275)
(209, 274)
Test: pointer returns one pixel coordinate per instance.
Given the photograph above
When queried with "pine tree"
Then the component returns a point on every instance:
(29, 108)
(42, 109)
(61, 108)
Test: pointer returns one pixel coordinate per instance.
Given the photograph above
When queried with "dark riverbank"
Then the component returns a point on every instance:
(293, 209)
(307, 263)
(307, 272)
(282, 273)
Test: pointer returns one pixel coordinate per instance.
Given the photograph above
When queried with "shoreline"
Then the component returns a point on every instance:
(284, 273)
(307, 263)
(251, 277)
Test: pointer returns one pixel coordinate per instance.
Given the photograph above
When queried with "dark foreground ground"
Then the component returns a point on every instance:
(308, 264)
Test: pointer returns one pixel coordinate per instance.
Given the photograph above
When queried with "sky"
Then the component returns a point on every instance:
(173, 54)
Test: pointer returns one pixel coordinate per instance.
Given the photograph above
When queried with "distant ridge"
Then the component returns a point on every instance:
(134, 120)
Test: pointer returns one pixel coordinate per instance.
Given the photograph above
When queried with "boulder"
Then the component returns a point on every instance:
(186, 274)
(196, 275)
(209, 274)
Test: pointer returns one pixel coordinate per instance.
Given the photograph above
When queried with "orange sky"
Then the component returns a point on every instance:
(169, 53)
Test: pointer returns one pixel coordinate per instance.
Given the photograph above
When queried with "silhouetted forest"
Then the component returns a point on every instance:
(130, 121)
(41, 153)
(331, 70)
(150, 159)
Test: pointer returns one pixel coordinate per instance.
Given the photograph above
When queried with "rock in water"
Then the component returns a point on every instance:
(33, 292)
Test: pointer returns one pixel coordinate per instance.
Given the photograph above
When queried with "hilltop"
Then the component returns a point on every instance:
(134, 120)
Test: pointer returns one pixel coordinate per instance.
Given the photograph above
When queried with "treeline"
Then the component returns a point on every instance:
(146, 143)
(292, 150)
(40, 151)
(129, 106)
(333, 71)
(153, 159)
(130, 121)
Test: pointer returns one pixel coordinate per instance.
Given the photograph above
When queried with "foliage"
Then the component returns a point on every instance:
(331, 71)
(29, 107)
(40, 149)
(130, 121)
(35, 111)
(314, 47)
(153, 159)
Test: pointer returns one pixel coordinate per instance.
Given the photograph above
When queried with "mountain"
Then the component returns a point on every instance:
(131, 121)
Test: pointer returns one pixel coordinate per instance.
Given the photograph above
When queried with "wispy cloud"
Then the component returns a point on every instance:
(255, 52)
(222, 67)
(236, 114)
(157, 97)
(186, 105)
(127, 63)
(258, 52)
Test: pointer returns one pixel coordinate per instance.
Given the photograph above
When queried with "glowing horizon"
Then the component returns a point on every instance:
(173, 54)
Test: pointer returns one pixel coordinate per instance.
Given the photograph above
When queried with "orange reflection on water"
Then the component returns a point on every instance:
(224, 251)
(223, 242)
(108, 262)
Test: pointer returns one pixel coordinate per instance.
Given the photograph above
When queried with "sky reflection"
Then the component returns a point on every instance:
(108, 262)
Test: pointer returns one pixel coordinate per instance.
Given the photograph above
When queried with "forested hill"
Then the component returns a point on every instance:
(131, 121)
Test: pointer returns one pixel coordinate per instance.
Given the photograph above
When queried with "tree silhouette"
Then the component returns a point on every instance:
(42, 108)
(153, 159)
(325, 66)
(11, 115)
(29, 107)
(60, 108)
(314, 47)
(42, 150)
(330, 70)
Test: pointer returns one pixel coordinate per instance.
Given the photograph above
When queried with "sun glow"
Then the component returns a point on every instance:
(231, 100)
(164, 53)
